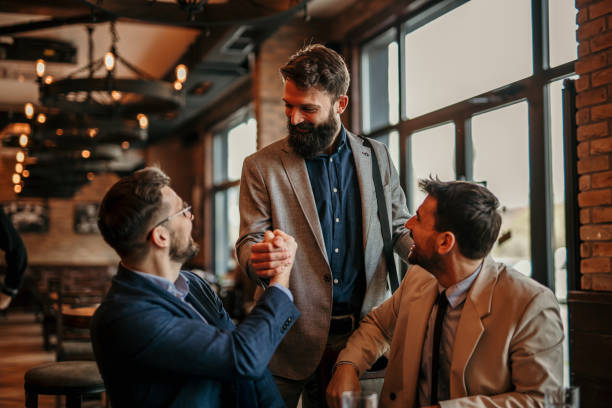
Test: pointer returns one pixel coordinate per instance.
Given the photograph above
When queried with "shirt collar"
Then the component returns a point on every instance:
(178, 289)
(457, 293)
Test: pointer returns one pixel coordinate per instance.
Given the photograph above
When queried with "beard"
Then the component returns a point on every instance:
(311, 143)
(431, 263)
(183, 253)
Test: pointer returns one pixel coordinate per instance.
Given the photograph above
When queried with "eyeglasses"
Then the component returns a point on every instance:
(185, 212)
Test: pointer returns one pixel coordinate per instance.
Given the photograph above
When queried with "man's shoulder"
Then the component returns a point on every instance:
(515, 287)
(270, 151)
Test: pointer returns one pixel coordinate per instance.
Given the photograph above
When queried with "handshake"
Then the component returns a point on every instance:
(273, 258)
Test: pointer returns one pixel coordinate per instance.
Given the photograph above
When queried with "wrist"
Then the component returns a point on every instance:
(345, 365)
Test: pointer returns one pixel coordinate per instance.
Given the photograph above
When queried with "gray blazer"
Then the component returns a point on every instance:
(275, 193)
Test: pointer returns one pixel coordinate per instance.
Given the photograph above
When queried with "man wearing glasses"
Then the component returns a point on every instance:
(161, 336)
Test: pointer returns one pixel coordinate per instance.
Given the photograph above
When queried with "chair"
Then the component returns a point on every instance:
(74, 379)
(73, 316)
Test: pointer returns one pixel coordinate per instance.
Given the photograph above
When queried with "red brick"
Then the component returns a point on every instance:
(585, 216)
(584, 182)
(596, 232)
(601, 282)
(585, 250)
(591, 164)
(602, 77)
(601, 112)
(601, 42)
(590, 63)
(583, 116)
(587, 132)
(592, 97)
(596, 265)
(583, 150)
(599, 9)
(584, 49)
(601, 146)
(595, 197)
(590, 29)
(582, 16)
(582, 83)
(600, 249)
(586, 282)
(601, 214)
(583, 3)
(599, 180)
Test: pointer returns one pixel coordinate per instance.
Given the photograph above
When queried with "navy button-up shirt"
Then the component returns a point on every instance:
(336, 192)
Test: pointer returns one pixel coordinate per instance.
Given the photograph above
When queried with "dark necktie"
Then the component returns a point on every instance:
(435, 354)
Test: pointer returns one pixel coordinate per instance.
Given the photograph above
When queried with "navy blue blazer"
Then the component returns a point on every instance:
(155, 351)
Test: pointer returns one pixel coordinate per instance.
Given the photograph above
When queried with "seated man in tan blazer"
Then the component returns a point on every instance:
(463, 330)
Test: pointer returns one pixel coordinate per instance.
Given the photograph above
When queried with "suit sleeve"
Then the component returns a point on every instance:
(373, 337)
(255, 218)
(399, 211)
(14, 252)
(536, 359)
(151, 336)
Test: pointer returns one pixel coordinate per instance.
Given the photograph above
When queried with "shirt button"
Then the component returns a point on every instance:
(336, 281)
(336, 250)
(337, 219)
(331, 160)
(335, 190)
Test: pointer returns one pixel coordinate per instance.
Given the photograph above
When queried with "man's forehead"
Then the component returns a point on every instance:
(429, 205)
(170, 197)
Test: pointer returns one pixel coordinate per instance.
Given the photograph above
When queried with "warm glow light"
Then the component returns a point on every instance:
(16, 178)
(40, 68)
(48, 80)
(20, 157)
(26, 173)
(143, 121)
(41, 118)
(109, 61)
(85, 154)
(90, 176)
(116, 95)
(18, 168)
(178, 85)
(59, 132)
(125, 145)
(93, 132)
(17, 188)
(23, 140)
(29, 110)
(181, 73)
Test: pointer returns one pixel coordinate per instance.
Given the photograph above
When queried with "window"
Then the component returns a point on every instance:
(480, 99)
(231, 145)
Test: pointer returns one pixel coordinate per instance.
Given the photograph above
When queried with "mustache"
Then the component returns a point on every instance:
(301, 126)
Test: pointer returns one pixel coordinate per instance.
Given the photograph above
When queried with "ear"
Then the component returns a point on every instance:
(160, 237)
(342, 104)
(445, 242)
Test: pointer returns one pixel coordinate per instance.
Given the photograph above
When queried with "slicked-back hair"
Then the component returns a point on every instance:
(469, 211)
(318, 66)
(129, 208)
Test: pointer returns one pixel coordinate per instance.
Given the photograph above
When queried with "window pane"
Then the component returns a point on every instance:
(432, 152)
(241, 142)
(479, 46)
(380, 81)
(392, 142)
(226, 229)
(562, 31)
(501, 160)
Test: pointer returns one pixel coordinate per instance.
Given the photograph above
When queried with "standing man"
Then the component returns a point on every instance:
(316, 186)
(161, 336)
(463, 330)
(15, 257)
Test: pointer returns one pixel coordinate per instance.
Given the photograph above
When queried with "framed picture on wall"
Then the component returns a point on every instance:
(28, 216)
(86, 218)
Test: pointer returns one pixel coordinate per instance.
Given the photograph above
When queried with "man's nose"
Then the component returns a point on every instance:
(296, 117)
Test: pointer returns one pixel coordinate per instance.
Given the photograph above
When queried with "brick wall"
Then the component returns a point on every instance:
(594, 120)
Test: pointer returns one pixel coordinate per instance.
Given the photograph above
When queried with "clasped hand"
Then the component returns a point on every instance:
(273, 258)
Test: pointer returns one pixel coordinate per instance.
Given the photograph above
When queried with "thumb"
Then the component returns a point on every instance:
(268, 236)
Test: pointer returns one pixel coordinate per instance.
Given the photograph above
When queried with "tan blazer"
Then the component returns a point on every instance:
(508, 345)
(275, 193)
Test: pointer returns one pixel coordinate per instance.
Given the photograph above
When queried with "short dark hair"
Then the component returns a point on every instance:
(469, 211)
(318, 66)
(129, 208)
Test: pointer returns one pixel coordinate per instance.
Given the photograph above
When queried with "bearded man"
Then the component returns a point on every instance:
(462, 331)
(317, 186)
(161, 336)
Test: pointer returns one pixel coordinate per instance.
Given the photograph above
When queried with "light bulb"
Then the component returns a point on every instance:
(41, 118)
(181, 73)
(23, 140)
(16, 178)
(18, 168)
(29, 110)
(109, 61)
(85, 154)
(40, 68)
(116, 95)
(178, 85)
(125, 145)
(143, 121)
(48, 80)
(17, 188)
(20, 157)
(26, 173)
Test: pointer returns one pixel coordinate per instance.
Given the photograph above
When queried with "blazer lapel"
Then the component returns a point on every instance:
(470, 329)
(363, 167)
(295, 167)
